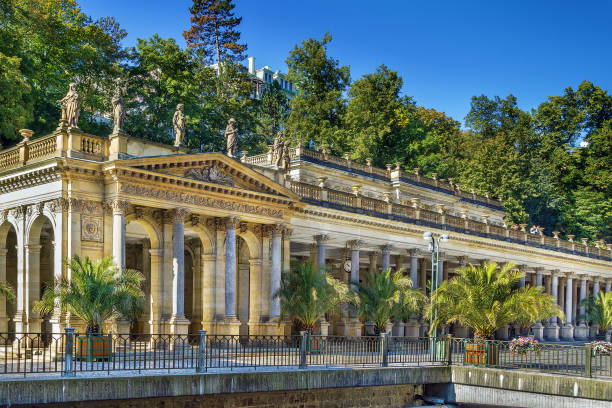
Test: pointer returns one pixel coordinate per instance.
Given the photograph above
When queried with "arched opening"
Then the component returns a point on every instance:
(40, 250)
(8, 273)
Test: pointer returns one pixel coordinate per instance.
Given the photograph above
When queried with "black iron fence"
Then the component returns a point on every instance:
(70, 353)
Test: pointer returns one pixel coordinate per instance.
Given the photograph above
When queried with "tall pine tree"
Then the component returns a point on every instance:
(214, 31)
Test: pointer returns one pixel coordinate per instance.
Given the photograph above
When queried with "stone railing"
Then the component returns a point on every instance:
(392, 173)
(60, 144)
(355, 203)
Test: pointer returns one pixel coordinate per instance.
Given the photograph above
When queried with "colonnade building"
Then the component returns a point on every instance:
(211, 234)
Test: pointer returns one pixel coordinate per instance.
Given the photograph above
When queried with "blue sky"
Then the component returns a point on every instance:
(446, 51)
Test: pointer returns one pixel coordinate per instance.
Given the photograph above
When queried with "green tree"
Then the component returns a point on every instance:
(598, 310)
(214, 31)
(7, 291)
(15, 104)
(487, 298)
(271, 115)
(318, 107)
(307, 294)
(95, 292)
(387, 296)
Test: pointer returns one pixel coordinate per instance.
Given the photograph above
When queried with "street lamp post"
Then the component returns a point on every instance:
(434, 247)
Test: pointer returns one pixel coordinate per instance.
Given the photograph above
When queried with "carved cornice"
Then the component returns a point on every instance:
(30, 179)
(232, 222)
(57, 205)
(191, 199)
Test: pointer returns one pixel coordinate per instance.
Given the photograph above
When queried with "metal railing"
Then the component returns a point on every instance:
(70, 353)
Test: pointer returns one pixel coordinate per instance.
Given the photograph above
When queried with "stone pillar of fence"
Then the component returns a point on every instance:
(68, 357)
(201, 362)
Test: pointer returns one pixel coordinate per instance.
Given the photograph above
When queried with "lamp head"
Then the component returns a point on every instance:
(427, 236)
(444, 238)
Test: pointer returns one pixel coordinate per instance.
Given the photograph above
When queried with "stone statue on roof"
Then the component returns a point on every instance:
(231, 137)
(178, 123)
(71, 107)
(277, 149)
(118, 111)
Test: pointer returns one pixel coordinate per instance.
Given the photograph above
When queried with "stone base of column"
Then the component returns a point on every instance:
(121, 326)
(594, 331)
(209, 326)
(156, 326)
(424, 330)
(538, 331)
(551, 332)
(229, 326)
(567, 332)
(368, 329)
(412, 328)
(354, 328)
(178, 325)
(502, 333)
(266, 329)
(21, 322)
(324, 328)
(581, 332)
(399, 329)
(461, 332)
(341, 328)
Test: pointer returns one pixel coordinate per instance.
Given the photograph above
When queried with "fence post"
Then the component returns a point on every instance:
(303, 346)
(449, 339)
(68, 347)
(201, 362)
(384, 360)
(587, 360)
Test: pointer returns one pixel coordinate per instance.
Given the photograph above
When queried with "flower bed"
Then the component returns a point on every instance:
(523, 345)
(601, 348)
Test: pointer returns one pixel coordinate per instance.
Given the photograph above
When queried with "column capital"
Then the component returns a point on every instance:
(277, 229)
(386, 249)
(232, 222)
(287, 232)
(75, 205)
(462, 260)
(583, 278)
(179, 214)
(118, 206)
(57, 205)
(321, 239)
(355, 244)
(415, 252)
(570, 275)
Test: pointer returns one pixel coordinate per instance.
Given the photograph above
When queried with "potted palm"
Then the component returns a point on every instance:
(387, 296)
(307, 294)
(96, 292)
(599, 313)
(485, 299)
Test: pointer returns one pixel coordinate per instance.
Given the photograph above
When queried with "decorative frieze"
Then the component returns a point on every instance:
(191, 199)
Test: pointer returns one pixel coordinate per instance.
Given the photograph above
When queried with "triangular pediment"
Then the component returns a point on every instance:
(210, 168)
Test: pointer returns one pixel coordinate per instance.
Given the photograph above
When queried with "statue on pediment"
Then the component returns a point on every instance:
(71, 107)
(178, 123)
(286, 157)
(210, 174)
(277, 149)
(231, 137)
(118, 111)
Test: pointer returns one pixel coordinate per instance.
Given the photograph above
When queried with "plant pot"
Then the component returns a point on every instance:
(481, 353)
(91, 348)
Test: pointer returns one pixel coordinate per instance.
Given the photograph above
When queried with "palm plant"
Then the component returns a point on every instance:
(7, 291)
(487, 298)
(386, 296)
(96, 292)
(307, 293)
(599, 310)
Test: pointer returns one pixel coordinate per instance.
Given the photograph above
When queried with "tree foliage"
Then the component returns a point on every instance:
(7, 291)
(95, 292)
(487, 298)
(598, 310)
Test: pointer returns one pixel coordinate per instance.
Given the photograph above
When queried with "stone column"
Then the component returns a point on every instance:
(20, 318)
(595, 327)
(412, 326)
(374, 260)
(321, 241)
(355, 245)
(119, 208)
(3, 316)
(567, 331)
(208, 291)
(440, 270)
(608, 285)
(275, 279)
(32, 287)
(230, 269)
(157, 290)
(219, 274)
(551, 332)
(146, 272)
(582, 330)
(538, 328)
(178, 323)
(386, 257)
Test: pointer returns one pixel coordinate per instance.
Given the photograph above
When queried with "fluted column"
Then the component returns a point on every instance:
(538, 328)
(551, 331)
(412, 326)
(157, 293)
(596, 288)
(3, 316)
(440, 270)
(32, 286)
(179, 324)
(354, 246)
(594, 330)
(119, 207)
(321, 242)
(275, 278)
(386, 257)
(567, 331)
(230, 268)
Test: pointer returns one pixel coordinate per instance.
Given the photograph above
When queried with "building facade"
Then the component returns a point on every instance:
(211, 234)
(264, 77)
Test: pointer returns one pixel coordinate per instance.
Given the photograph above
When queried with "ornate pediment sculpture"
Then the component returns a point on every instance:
(210, 174)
